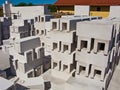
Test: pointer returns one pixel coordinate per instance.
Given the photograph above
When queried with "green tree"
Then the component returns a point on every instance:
(25, 4)
(1, 12)
(30, 4)
(21, 4)
(52, 8)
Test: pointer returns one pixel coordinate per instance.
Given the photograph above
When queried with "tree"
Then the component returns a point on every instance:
(52, 8)
(30, 4)
(25, 4)
(1, 12)
(21, 4)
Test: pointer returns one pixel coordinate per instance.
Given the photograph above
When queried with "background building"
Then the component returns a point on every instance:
(96, 7)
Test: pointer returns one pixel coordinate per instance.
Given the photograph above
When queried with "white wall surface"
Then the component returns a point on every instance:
(27, 43)
(29, 11)
(114, 11)
(4, 60)
(5, 84)
(81, 10)
(95, 30)
(0, 35)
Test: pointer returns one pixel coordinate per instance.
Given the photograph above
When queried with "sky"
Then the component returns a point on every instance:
(32, 1)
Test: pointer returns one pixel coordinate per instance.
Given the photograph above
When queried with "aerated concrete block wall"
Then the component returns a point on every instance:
(27, 57)
(80, 45)
(5, 23)
(62, 39)
(96, 47)
(0, 34)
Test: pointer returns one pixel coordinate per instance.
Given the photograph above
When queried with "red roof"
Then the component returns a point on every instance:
(87, 2)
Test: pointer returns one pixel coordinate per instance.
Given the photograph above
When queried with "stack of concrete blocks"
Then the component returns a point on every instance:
(26, 56)
(116, 51)
(96, 47)
(23, 19)
(25, 23)
(4, 63)
(21, 29)
(62, 39)
(26, 12)
(40, 23)
(0, 34)
(5, 22)
(40, 27)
